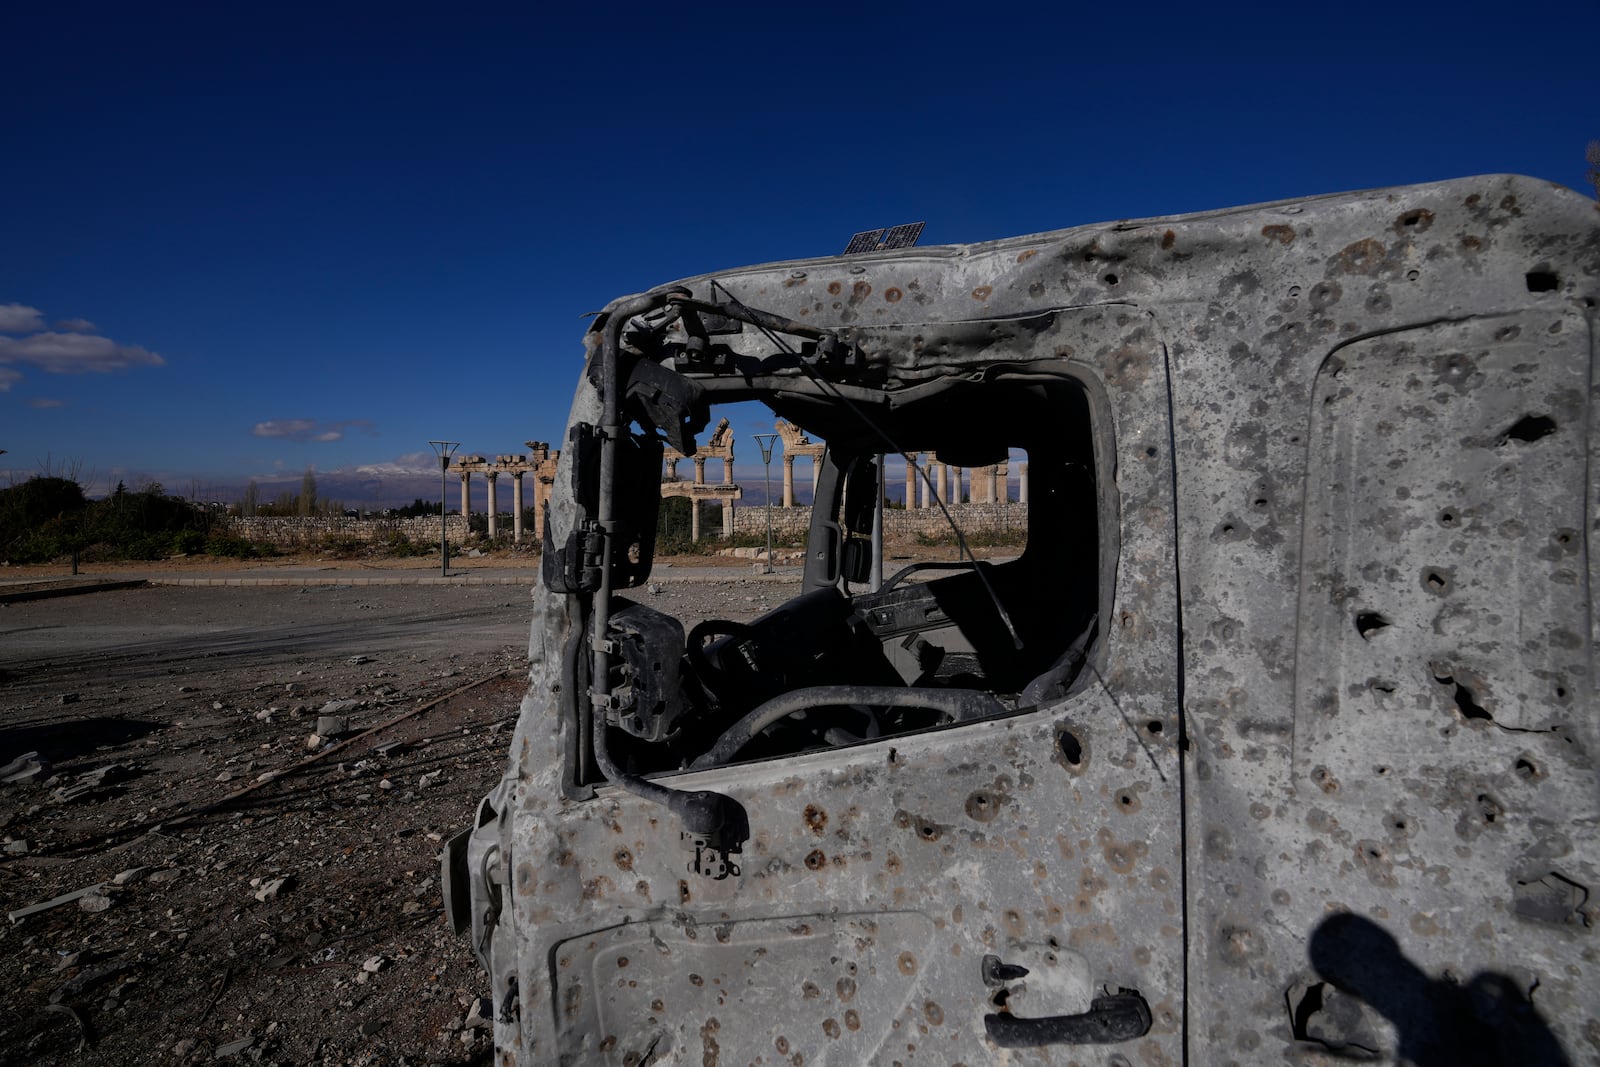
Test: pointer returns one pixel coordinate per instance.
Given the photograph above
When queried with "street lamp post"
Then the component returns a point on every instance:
(442, 449)
(765, 440)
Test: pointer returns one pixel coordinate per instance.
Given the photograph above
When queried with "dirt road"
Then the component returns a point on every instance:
(251, 905)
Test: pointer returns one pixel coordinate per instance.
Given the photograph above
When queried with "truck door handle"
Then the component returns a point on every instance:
(1119, 1016)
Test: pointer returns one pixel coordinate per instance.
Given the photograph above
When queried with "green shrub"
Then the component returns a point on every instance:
(231, 547)
(188, 542)
(148, 547)
(982, 538)
(398, 544)
(343, 546)
(35, 547)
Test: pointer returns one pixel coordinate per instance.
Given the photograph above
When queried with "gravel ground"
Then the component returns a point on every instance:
(254, 904)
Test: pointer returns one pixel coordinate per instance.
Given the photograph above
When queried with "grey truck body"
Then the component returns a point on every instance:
(1275, 744)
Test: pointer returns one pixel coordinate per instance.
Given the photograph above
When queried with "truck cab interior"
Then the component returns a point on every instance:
(939, 642)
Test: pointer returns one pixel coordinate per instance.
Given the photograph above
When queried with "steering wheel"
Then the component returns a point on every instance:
(931, 565)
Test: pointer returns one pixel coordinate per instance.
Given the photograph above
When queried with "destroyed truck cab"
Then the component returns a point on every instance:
(1275, 743)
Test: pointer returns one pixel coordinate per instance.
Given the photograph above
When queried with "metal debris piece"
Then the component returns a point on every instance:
(54, 902)
(333, 725)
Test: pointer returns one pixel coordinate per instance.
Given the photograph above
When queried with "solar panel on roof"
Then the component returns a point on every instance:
(903, 236)
(865, 241)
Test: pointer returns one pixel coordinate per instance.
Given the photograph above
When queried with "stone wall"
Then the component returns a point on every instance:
(293, 530)
(899, 524)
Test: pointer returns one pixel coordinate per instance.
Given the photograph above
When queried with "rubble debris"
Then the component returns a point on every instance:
(374, 964)
(55, 902)
(85, 1034)
(67, 698)
(391, 748)
(356, 660)
(68, 793)
(270, 889)
(431, 778)
(94, 902)
(233, 1048)
(16, 847)
(28, 767)
(87, 783)
(132, 874)
(333, 725)
(110, 774)
(480, 1016)
(339, 707)
(88, 979)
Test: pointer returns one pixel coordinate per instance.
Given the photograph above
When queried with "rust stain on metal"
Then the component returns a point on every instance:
(710, 1048)
(1365, 256)
(1279, 232)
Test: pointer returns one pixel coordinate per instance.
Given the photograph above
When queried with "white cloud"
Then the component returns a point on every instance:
(19, 318)
(77, 326)
(75, 353)
(43, 402)
(308, 430)
(408, 465)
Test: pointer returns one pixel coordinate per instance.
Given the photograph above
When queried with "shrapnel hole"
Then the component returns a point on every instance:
(1369, 623)
(1529, 428)
(1071, 747)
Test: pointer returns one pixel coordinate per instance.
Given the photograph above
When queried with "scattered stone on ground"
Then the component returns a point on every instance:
(237, 931)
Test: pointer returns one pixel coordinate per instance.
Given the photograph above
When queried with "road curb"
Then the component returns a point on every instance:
(46, 590)
(344, 579)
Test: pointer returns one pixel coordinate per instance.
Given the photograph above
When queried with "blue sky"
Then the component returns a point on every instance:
(240, 241)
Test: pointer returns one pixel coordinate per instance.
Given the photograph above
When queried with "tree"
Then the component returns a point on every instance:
(252, 499)
(308, 493)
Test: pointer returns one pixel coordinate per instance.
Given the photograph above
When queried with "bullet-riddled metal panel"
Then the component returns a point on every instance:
(1049, 839)
(1405, 916)
(1381, 864)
